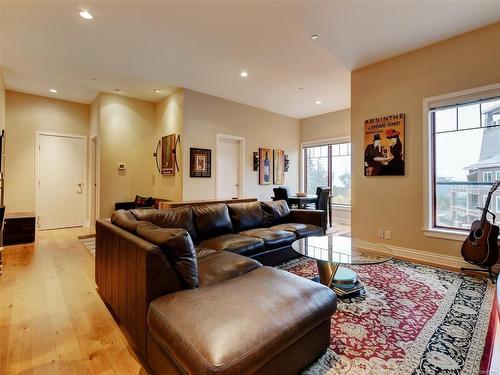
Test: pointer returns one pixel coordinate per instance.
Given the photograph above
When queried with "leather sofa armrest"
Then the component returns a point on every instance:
(130, 273)
(304, 216)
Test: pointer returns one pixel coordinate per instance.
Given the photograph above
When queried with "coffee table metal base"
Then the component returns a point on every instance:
(343, 281)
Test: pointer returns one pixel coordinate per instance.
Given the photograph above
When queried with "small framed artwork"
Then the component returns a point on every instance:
(279, 167)
(265, 166)
(200, 162)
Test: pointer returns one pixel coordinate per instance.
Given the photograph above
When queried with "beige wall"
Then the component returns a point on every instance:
(205, 116)
(170, 119)
(328, 126)
(126, 135)
(25, 115)
(93, 170)
(95, 116)
(399, 85)
(2, 101)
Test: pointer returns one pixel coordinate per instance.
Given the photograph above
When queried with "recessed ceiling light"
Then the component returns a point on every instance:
(318, 102)
(157, 90)
(86, 15)
(53, 91)
(314, 37)
(244, 74)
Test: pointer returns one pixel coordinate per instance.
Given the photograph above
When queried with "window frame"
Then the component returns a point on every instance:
(452, 99)
(303, 161)
(487, 173)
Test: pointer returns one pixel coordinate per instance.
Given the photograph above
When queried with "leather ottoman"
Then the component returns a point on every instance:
(266, 321)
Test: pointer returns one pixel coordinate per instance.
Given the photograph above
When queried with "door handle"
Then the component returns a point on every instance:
(80, 185)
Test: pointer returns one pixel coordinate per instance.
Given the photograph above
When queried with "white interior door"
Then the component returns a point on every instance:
(228, 168)
(60, 181)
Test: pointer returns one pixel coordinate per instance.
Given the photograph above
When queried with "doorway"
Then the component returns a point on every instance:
(230, 167)
(60, 186)
(93, 181)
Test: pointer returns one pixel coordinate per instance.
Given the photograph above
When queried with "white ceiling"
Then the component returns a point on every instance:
(140, 46)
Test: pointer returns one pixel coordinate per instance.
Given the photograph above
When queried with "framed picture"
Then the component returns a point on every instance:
(168, 155)
(384, 146)
(200, 162)
(265, 166)
(279, 167)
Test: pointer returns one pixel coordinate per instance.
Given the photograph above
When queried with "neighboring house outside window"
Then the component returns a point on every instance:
(487, 176)
(497, 175)
(498, 205)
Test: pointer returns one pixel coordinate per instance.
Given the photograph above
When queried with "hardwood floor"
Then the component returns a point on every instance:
(52, 321)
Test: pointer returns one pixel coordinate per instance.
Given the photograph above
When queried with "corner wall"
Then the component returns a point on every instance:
(205, 116)
(399, 85)
(327, 126)
(170, 119)
(126, 135)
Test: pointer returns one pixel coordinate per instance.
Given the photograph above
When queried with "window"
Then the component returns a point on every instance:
(487, 176)
(329, 165)
(497, 175)
(465, 154)
(498, 204)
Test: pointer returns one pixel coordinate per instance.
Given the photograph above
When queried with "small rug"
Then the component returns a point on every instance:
(89, 242)
(413, 319)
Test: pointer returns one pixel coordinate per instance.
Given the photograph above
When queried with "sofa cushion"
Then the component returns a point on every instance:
(235, 243)
(125, 220)
(218, 266)
(237, 326)
(300, 230)
(180, 217)
(144, 201)
(272, 238)
(212, 220)
(178, 248)
(275, 212)
(246, 215)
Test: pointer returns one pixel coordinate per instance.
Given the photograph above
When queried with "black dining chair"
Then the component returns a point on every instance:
(280, 193)
(313, 206)
(323, 197)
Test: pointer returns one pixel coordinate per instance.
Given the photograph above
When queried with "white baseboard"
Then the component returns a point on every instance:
(447, 261)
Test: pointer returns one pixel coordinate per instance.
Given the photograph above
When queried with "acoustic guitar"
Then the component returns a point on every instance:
(481, 245)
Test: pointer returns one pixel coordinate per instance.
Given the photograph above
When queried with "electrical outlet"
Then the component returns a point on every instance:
(381, 233)
(387, 235)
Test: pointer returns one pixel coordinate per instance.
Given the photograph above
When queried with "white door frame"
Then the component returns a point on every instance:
(96, 213)
(37, 170)
(241, 177)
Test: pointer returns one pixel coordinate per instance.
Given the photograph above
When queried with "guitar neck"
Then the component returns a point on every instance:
(487, 203)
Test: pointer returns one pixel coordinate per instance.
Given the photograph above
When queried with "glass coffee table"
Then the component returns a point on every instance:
(331, 252)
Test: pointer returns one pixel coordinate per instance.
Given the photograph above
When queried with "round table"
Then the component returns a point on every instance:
(331, 252)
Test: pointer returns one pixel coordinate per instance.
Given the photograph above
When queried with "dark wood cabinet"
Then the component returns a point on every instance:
(19, 228)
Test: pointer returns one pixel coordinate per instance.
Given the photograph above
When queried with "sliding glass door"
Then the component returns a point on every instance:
(329, 165)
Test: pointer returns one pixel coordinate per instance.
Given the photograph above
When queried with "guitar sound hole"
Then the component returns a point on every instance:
(478, 233)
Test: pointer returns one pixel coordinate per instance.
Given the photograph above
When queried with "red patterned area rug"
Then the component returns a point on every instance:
(413, 319)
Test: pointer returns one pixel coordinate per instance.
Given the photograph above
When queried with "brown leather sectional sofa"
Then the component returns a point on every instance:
(187, 286)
